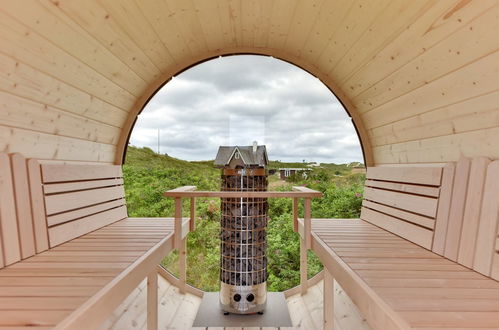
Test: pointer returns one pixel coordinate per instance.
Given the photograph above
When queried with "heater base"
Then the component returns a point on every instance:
(243, 299)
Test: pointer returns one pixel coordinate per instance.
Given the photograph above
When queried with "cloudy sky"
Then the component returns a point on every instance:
(239, 99)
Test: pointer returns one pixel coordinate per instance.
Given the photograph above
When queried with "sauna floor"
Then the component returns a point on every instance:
(178, 311)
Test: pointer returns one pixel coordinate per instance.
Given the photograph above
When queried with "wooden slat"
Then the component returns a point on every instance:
(418, 204)
(8, 221)
(307, 219)
(328, 305)
(80, 185)
(61, 173)
(99, 305)
(53, 220)
(494, 273)
(244, 194)
(417, 175)
(23, 205)
(407, 216)
(37, 206)
(152, 300)
(444, 203)
(407, 188)
(303, 267)
(192, 221)
(472, 210)
(67, 231)
(69, 201)
(413, 233)
(295, 214)
(456, 213)
(488, 227)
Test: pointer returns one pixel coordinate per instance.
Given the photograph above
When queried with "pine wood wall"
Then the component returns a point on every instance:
(419, 78)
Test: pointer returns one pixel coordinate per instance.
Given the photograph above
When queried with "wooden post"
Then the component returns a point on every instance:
(307, 223)
(178, 223)
(182, 265)
(180, 245)
(152, 300)
(295, 214)
(328, 300)
(303, 267)
(192, 224)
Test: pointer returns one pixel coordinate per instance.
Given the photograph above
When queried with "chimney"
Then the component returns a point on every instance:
(255, 146)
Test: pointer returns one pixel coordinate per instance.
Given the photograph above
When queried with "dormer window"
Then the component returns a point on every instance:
(236, 155)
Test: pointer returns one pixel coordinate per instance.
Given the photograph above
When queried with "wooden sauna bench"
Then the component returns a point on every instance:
(87, 255)
(423, 254)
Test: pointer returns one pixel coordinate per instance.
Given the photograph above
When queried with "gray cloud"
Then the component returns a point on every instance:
(238, 99)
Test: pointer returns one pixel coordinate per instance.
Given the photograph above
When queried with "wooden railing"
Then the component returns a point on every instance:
(184, 226)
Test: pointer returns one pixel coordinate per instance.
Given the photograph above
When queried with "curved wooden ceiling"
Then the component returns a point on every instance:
(419, 78)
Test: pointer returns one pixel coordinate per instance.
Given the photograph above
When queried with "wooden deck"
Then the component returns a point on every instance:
(177, 311)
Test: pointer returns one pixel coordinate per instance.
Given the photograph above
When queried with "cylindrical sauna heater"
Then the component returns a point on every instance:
(243, 260)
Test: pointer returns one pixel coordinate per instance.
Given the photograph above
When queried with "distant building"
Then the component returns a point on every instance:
(315, 164)
(241, 156)
(284, 173)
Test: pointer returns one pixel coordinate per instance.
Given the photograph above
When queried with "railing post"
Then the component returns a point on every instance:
(328, 300)
(295, 214)
(178, 223)
(305, 245)
(152, 300)
(303, 267)
(192, 223)
(182, 266)
(307, 222)
(180, 245)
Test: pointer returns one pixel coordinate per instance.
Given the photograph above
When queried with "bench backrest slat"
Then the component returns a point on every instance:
(37, 206)
(81, 198)
(23, 205)
(444, 203)
(403, 200)
(456, 215)
(429, 176)
(474, 197)
(9, 231)
(486, 251)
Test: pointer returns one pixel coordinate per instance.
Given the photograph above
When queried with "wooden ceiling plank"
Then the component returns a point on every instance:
(28, 46)
(303, 23)
(327, 22)
(353, 25)
(440, 21)
(158, 14)
(184, 15)
(262, 23)
(210, 24)
(132, 21)
(104, 27)
(400, 14)
(477, 78)
(281, 12)
(464, 116)
(470, 44)
(44, 18)
(444, 148)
